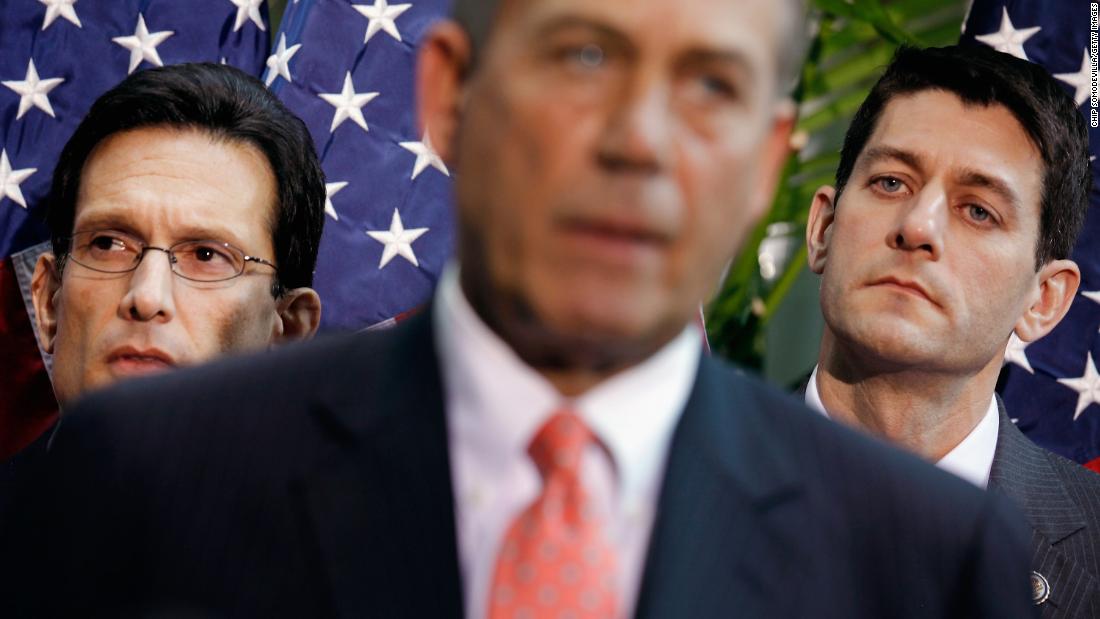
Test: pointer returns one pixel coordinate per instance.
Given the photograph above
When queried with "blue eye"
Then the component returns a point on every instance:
(585, 57)
(889, 184)
(591, 55)
(978, 213)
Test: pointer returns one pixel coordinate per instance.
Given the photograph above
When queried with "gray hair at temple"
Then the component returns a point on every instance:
(477, 17)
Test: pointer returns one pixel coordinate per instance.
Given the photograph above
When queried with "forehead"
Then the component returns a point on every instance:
(750, 27)
(166, 180)
(950, 135)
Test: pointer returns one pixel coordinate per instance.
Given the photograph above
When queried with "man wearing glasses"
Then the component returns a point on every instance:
(185, 216)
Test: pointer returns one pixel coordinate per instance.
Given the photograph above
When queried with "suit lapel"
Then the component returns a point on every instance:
(1022, 471)
(383, 513)
(728, 501)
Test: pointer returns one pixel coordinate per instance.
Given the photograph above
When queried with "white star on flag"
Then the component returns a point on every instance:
(279, 62)
(246, 10)
(60, 8)
(1014, 353)
(1081, 80)
(1087, 387)
(332, 189)
(33, 91)
(381, 16)
(1009, 39)
(143, 44)
(398, 241)
(10, 180)
(349, 104)
(425, 155)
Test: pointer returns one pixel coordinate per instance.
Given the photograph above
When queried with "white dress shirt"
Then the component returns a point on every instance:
(495, 406)
(971, 459)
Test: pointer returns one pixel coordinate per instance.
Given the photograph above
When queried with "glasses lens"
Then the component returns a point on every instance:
(105, 250)
(207, 261)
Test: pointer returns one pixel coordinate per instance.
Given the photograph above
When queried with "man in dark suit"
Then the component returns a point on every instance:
(209, 196)
(548, 439)
(962, 186)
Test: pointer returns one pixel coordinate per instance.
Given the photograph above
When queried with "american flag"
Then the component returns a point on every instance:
(1052, 386)
(348, 70)
(56, 57)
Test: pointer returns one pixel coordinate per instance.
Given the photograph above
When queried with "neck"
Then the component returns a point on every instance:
(572, 363)
(925, 411)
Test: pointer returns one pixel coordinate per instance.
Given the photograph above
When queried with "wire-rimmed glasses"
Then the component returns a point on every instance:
(113, 251)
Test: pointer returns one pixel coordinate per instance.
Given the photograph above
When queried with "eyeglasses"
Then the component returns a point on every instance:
(111, 251)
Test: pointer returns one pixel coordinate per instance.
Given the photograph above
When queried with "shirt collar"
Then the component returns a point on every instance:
(633, 413)
(971, 459)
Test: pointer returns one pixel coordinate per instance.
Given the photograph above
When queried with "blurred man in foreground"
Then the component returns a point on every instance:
(548, 440)
(962, 186)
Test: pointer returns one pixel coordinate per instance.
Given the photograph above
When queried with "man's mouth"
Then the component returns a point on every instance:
(615, 240)
(911, 287)
(130, 360)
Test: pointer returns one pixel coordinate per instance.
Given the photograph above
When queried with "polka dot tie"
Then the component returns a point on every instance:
(555, 562)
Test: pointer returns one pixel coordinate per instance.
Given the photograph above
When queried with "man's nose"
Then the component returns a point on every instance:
(637, 136)
(921, 223)
(150, 292)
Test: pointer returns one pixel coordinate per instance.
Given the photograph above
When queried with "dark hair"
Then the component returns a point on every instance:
(477, 17)
(226, 104)
(981, 76)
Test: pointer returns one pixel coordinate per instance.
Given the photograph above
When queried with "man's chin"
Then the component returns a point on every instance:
(599, 341)
(893, 347)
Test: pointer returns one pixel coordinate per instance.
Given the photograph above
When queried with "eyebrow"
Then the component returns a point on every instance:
(732, 59)
(193, 233)
(969, 177)
(575, 22)
(874, 154)
(696, 56)
(974, 178)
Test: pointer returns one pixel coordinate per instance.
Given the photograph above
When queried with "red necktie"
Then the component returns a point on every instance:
(555, 562)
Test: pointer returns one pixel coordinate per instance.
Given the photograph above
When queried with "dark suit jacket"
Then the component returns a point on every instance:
(1061, 500)
(315, 481)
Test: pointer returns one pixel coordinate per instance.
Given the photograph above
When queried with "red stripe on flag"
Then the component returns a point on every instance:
(1094, 465)
(27, 404)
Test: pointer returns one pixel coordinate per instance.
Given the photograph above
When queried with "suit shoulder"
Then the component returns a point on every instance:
(270, 386)
(1081, 483)
(843, 457)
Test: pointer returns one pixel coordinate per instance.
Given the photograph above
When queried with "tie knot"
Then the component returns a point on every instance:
(559, 444)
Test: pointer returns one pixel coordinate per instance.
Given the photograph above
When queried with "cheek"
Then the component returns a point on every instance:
(999, 287)
(526, 168)
(84, 311)
(718, 214)
(230, 326)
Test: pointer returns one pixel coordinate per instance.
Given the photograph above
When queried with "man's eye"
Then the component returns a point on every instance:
(889, 184)
(209, 253)
(104, 242)
(718, 86)
(588, 56)
(978, 213)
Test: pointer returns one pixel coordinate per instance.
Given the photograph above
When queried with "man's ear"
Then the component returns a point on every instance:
(45, 285)
(819, 227)
(442, 65)
(1057, 284)
(299, 315)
